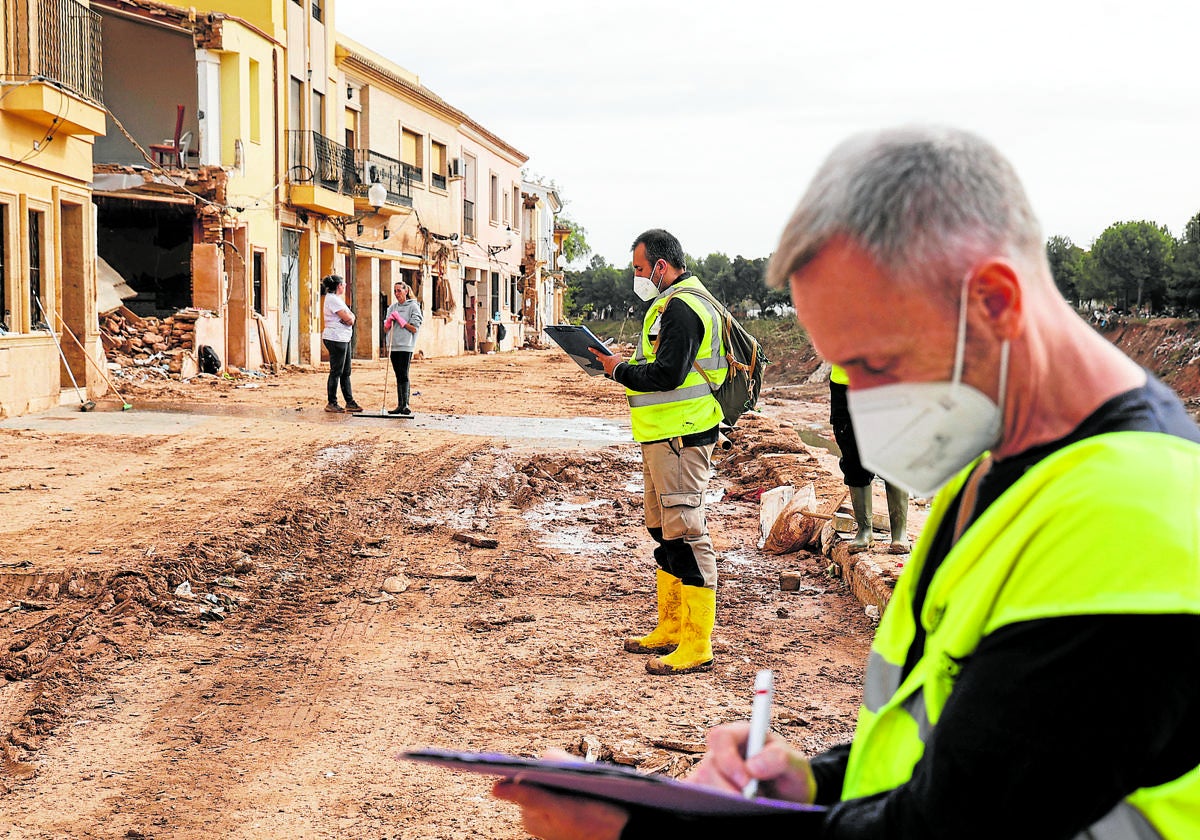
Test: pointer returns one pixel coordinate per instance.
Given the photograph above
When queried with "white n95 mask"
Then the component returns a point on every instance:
(919, 435)
(645, 287)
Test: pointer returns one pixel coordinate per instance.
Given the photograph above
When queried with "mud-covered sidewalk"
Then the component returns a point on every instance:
(226, 611)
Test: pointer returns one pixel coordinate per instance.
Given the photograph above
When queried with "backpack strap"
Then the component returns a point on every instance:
(726, 319)
(722, 314)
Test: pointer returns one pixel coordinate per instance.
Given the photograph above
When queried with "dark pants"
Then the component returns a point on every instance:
(400, 361)
(854, 474)
(339, 370)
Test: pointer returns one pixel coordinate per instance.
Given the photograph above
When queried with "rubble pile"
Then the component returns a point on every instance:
(166, 344)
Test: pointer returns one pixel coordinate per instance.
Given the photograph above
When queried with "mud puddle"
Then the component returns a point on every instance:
(149, 418)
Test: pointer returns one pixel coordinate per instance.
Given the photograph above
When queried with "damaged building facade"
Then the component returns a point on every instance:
(211, 163)
(456, 243)
(50, 116)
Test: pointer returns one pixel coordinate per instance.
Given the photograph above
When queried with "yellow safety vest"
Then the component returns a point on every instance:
(690, 408)
(1040, 551)
(838, 375)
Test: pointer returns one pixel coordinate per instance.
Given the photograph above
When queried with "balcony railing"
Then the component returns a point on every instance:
(437, 180)
(414, 173)
(374, 168)
(468, 217)
(315, 159)
(62, 44)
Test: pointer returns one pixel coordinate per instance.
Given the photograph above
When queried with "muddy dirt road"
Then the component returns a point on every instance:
(196, 639)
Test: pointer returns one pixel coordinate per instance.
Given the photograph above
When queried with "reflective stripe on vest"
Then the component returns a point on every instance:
(1123, 822)
(689, 408)
(691, 392)
(1029, 556)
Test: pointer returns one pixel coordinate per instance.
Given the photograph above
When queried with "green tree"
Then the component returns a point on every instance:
(575, 245)
(1129, 264)
(715, 273)
(1066, 265)
(1183, 291)
(749, 283)
(601, 290)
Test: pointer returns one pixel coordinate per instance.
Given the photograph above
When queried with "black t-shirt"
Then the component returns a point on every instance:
(1051, 723)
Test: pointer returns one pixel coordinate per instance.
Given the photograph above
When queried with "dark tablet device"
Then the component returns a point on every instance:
(575, 341)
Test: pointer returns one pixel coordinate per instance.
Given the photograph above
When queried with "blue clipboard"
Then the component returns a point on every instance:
(613, 783)
(575, 339)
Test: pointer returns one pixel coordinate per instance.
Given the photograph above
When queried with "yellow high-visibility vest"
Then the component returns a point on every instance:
(690, 408)
(1041, 551)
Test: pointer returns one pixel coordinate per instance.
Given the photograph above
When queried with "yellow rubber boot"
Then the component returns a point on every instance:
(664, 637)
(695, 644)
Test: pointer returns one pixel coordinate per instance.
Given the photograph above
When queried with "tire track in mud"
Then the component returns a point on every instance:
(341, 525)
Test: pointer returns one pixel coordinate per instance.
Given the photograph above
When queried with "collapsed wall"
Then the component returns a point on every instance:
(167, 345)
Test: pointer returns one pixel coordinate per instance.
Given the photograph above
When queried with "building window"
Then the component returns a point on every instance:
(437, 164)
(514, 294)
(495, 301)
(253, 82)
(35, 270)
(351, 128)
(495, 199)
(318, 112)
(317, 10)
(412, 155)
(5, 316)
(468, 164)
(256, 291)
(516, 203)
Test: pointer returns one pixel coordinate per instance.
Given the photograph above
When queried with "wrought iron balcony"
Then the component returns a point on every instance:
(374, 168)
(414, 173)
(315, 159)
(57, 40)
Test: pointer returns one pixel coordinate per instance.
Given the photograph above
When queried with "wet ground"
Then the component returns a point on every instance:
(225, 611)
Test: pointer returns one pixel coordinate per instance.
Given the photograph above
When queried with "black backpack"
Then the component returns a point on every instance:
(210, 362)
(739, 392)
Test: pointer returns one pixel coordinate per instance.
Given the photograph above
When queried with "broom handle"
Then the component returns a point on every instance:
(88, 356)
(61, 354)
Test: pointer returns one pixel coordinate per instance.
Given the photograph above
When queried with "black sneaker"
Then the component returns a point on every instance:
(334, 408)
(353, 407)
(396, 410)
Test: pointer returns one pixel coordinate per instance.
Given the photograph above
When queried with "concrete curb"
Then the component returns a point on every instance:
(871, 575)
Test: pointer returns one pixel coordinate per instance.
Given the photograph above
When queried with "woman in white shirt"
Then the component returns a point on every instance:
(402, 323)
(339, 330)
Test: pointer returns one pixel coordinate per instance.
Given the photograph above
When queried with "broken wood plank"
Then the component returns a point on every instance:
(689, 747)
(478, 542)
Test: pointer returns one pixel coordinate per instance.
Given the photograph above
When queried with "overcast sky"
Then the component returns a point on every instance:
(709, 118)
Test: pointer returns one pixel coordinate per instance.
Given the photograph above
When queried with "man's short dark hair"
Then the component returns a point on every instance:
(661, 245)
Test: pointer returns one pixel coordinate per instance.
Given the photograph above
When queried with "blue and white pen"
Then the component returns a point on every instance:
(760, 722)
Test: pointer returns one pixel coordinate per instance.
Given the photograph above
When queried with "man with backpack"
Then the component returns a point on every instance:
(669, 384)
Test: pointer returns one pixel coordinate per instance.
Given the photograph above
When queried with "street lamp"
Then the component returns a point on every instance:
(493, 250)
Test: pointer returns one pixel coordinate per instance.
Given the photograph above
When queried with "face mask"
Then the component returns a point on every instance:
(645, 287)
(918, 435)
